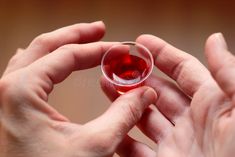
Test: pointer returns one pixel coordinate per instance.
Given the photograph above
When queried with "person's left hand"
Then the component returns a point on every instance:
(194, 113)
(30, 127)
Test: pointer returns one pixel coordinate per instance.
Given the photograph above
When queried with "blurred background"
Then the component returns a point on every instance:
(183, 23)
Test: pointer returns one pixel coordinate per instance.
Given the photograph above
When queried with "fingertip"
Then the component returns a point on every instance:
(96, 30)
(146, 94)
(216, 42)
(152, 43)
(100, 25)
(215, 49)
(150, 95)
(209, 45)
(144, 37)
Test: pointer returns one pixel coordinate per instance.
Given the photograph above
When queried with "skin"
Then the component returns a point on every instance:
(191, 116)
(194, 113)
(29, 126)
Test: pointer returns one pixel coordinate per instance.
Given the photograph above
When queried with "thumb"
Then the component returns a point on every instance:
(125, 112)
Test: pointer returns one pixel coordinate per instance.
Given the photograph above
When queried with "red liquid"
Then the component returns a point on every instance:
(127, 70)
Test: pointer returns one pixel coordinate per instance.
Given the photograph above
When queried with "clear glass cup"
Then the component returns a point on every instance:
(127, 65)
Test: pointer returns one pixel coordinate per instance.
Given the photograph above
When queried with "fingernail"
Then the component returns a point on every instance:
(221, 43)
(150, 95)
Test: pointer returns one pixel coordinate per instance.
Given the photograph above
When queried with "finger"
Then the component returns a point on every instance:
(221, 63)
(171, 102)
(132, 148)
(48, 42)
(189, 73)
(154, 124)
(124, 113)
(78, 33)
(19, 51)
(13, 60)
(62, 62)
(108, 89)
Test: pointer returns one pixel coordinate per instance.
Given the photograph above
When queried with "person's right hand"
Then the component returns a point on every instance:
(194, 118)
(30, 127)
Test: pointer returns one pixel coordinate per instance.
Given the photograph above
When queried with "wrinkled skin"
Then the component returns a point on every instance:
(193, 117)
(30, 127)
(194, 113)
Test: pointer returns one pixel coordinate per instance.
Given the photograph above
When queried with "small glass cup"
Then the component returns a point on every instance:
(127, 65)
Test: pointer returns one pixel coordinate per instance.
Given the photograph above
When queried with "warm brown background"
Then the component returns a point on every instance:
(185, 24)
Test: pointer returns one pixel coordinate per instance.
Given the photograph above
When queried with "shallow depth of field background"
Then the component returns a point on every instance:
(185, 24)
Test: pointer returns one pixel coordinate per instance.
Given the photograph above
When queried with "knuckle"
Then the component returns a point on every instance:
(4, 84)
(42, 39)
(14, 59)
(4, 89)
(11, 91)
(182, 66)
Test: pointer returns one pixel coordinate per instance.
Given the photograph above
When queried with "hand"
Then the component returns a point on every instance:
(30, 127)
(195, 116)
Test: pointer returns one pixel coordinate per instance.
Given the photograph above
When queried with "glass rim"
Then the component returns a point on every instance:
(128, 43)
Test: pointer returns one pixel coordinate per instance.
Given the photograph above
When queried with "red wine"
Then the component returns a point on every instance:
(126, 70)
